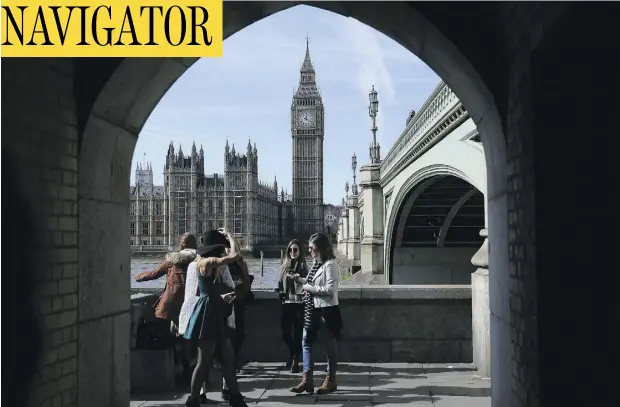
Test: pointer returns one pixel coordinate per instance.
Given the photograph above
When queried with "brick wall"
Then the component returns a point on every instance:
(43, 140)
(550, 85)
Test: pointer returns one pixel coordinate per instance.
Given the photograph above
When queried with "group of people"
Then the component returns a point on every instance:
(203, 303)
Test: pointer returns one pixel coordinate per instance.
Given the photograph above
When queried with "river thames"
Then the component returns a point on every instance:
(269, 279)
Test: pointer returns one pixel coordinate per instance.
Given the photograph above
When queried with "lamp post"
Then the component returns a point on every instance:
(373, 109)
(354, 167)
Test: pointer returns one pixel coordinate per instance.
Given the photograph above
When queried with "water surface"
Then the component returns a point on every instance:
(269, 278)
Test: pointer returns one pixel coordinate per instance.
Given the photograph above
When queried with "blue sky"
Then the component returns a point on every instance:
(247, 94)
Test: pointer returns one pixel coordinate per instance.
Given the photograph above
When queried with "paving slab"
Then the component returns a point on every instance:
(359, 385)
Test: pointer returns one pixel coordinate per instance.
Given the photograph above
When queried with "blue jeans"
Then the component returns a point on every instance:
(328, 341)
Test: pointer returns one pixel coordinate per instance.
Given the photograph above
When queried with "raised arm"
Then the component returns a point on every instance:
(155, 274)
(214, 262)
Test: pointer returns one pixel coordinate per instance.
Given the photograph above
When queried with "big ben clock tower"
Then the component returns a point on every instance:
(307, 129)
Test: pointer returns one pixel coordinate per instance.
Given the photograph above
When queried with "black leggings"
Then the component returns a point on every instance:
(204, 361)
(237, 335)
(292, 324)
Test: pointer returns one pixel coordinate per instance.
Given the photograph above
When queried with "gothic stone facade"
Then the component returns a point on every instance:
(191, 201)
(195, 202)
(307, 131)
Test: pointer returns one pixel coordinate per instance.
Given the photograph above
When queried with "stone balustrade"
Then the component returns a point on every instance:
(382, 324)
(480, 308)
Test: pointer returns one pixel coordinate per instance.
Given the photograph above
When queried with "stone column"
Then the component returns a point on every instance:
(481, 337)
(372, 241)
(166, 204)
(151, 219)
(345, 231)
(340, 247)
(353, 241)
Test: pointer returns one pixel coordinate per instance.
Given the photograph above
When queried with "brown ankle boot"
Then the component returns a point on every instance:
(306, 384)
(329, 384)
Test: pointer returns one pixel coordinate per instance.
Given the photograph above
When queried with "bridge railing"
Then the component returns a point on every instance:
(150, 248)
(441, 101)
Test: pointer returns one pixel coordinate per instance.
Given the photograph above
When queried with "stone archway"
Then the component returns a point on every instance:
(417, 184)
(131, 91)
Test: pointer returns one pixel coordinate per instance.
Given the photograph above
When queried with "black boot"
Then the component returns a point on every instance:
(236, 400)
(289, 361)
(295, 364)
(192, 402)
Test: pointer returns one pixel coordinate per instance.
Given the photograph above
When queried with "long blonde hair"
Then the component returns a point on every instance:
(286, 264)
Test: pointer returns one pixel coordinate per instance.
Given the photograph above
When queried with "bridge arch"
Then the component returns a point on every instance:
(408, 194)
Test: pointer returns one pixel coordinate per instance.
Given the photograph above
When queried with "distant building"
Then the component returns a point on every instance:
(195, 202)
(307, 131)
(332, 218)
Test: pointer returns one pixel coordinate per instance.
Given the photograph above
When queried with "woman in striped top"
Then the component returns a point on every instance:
(322, 318)
(291, 296)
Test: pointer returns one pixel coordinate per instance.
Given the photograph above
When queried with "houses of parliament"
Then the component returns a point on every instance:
(255, 212)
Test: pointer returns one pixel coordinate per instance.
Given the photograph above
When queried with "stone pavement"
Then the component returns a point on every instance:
(359, 385)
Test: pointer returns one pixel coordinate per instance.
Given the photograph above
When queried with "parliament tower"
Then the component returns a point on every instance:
(307, 130)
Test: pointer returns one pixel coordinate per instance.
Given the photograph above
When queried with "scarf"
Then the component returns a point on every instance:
(309, 320)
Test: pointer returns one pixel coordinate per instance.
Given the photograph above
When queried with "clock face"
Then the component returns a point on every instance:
(305, 118)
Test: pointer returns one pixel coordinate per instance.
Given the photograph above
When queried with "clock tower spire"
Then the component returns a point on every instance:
(307, 131)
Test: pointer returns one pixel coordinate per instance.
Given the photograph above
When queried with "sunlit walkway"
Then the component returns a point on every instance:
(359, 385)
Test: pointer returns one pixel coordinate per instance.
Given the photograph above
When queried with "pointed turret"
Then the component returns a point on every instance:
(194, 148)
(307, 81)
(201, 153)
(307, 65)
(249, 149)
(255, 150)
(233, 152)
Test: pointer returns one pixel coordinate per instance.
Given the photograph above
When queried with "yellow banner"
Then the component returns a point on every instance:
(132, 28)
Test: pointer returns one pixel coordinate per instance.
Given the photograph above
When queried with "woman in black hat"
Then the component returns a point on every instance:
(207, 324)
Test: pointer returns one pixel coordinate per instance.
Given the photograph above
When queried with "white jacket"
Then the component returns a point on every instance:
(190, 299)
(324, 285)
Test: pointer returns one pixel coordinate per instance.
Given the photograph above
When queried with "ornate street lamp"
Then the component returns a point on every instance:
(354, 167)
(373, 109)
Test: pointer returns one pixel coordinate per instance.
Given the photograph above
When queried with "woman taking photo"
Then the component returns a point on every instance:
(208, 324)
(322, 319)
(291, 296)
